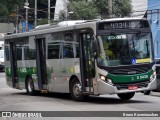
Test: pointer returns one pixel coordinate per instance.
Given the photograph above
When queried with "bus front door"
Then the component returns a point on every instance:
(13, 60)
(41, 64)
(87, 63)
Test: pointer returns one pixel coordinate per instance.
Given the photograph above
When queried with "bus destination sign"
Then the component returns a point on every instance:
(122, 25)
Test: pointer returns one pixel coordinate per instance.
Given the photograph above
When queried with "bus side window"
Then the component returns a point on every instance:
(77, 51)
(53, 51)
(7, 53)
(30, 54)
(68, 51)
(19, 52)
(68, 36)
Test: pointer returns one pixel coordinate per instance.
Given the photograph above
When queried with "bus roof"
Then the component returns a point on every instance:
(76, 22)
(122, 19)
(65, 25)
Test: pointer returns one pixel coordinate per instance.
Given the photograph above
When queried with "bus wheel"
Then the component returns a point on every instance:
(75, 90)
(147, 92)
(126, 96)
(30, 86)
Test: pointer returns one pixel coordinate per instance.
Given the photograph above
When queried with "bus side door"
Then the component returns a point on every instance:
(87, 62)
(41, 63)
(13, 60)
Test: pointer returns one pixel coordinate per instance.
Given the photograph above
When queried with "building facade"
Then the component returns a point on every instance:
(61, 5)
(6, 27)
(153, 15)
(139, 7)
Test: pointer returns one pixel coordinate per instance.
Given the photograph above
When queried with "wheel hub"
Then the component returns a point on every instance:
(76, 90)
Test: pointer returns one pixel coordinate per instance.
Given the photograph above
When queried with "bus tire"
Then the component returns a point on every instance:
(30, 86)
(147, 92)
(126, 96)
(75, 90)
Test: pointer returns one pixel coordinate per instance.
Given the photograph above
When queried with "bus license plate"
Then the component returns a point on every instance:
(133, 87)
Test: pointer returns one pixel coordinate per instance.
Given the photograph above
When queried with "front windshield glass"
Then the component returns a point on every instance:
(124, 49)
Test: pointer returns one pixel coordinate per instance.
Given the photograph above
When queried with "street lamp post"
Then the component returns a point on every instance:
(17, 24)
(49, 11)
(35, 19)
(26, 6)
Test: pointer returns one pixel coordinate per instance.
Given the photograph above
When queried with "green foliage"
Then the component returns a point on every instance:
(3, 10)
(122, 8)
(42, 21)
(82, 10)
(9, 6)
(102, 6)
(91, 9)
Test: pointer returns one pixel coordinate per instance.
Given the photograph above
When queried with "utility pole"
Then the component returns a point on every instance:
(17, 23)
(26, 4)
(49, 11)
(110, 9)
(35, 14)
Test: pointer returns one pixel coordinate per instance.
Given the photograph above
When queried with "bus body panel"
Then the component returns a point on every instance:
(104, 88)
(59, 70)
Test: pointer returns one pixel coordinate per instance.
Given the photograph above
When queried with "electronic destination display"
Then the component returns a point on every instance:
(123, 25)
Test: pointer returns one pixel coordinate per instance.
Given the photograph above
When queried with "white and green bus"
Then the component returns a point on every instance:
(113, 56)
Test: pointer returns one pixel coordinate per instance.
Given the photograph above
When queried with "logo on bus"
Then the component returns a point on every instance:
(23, 70)
(132, 72)
(133, 61)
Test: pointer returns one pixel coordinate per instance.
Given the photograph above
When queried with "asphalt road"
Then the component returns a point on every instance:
(17, 100)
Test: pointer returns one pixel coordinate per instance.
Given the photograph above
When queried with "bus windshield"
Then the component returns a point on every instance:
(124, 49)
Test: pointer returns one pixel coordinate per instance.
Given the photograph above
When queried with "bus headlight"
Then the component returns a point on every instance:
(153, 76)
(102, 77)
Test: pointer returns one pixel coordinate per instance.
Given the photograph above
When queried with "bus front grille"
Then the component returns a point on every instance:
(130, 71)
(125, 86)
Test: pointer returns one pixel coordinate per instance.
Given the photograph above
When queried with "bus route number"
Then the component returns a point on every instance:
(142, 77)
(119, 25)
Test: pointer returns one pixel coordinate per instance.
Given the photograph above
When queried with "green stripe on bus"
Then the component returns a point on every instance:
(22, 72)
(130, 78)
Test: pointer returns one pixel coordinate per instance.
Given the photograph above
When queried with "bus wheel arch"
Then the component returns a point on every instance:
(75, 89)
(29, 85)
(72, 78)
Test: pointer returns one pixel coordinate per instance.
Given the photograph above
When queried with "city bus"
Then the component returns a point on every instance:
(83, 58)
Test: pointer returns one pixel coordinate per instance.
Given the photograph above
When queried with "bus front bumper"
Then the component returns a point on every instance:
(105, 88)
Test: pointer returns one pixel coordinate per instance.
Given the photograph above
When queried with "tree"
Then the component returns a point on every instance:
(9, 6)
(121, 8)
(91, 9)
(82, 10)
(9, 10)
(102, 6)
